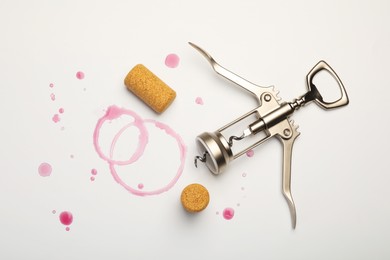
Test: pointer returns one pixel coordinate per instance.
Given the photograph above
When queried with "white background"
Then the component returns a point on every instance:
(340, 170)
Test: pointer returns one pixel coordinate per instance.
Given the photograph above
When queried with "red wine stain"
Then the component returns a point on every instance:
(66, 218)
(199, 101)
(172, 60)
(228, 213)
(80, 75)
(44, 169)
(114, 112)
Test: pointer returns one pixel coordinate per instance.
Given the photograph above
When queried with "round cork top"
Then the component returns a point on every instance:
(195, 198)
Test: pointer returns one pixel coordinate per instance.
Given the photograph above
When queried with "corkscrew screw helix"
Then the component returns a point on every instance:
(272, 118)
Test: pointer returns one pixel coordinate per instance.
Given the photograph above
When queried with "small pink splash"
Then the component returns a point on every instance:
(44, 169)
(93, 171)
(250, 153)
(52, 96)
(61, 110)
(56, 118)
(80, 75)
(66, 218)
(228, 213)
(172, 60)
(140, 186)
(67, 228)
(199, 101)
(92, 178)
(54, 211)
(51, 85)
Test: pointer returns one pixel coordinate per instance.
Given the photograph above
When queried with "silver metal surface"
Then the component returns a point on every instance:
(342, 101)
(254, 89)
(216, 151)
(272, 118)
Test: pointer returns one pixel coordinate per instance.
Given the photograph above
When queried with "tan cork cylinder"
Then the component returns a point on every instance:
(149, 88)
(195, 198)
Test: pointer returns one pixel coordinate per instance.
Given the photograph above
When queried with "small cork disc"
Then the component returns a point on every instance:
(195, 198)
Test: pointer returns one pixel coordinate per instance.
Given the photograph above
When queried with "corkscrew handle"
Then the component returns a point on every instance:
(314, 94)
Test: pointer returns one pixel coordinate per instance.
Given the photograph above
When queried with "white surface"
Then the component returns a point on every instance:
(340, 162)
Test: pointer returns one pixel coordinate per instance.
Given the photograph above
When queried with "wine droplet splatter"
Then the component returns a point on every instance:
(56, 118)
(228, 213)
(250, 153)
(140, 186)
(199, 101)
(52, 96)
(94, 173)
(51, 85)
(44, 169)
(80, 75)
(172, 60)
(61, 110)
(66, 218)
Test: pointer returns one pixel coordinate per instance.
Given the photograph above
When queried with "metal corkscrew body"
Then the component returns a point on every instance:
(272, 118)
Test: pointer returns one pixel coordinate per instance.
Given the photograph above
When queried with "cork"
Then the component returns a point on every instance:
(149, 88)
(195, 198)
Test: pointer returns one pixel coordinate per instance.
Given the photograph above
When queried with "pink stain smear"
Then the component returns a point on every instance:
(172, 60)
(61, 110)
(250, 153)
(92, 178)
(94, 172)
(140, 186)
(52, 96)
(228, 213)
(56, 118)
(199, 101)
(80, 75)
(114, 112)
(51, 85)
(44, 169)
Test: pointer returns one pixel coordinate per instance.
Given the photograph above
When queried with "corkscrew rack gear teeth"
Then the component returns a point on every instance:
(272, 118)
